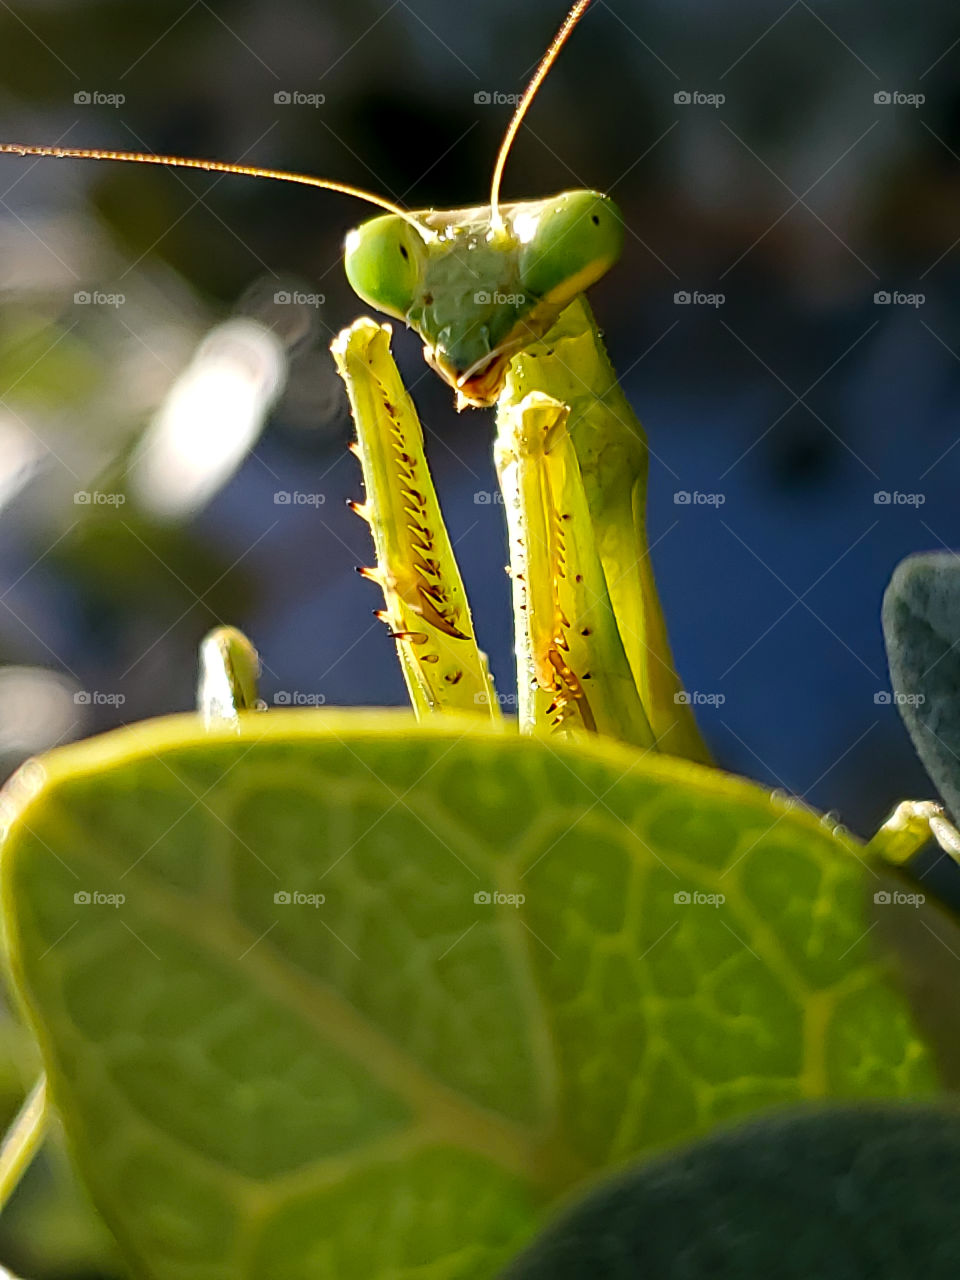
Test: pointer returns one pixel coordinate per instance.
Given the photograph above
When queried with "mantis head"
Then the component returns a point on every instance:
(480, 284)
(476, 292)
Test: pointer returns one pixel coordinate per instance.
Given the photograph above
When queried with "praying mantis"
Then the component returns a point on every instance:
(496, 294)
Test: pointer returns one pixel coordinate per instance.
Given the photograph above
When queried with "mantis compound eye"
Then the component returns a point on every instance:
(567, 243)
(383, 260)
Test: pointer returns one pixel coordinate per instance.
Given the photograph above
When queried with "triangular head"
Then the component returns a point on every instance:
(476, 292)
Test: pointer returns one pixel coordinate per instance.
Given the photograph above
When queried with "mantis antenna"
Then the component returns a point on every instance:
(218, 166)
(546, 62)
(281, 175)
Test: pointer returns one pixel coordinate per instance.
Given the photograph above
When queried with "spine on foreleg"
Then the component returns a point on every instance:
(426, 605)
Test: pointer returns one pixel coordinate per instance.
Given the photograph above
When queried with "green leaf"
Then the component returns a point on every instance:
(865, 1193)
(396, 1080)
(921, 627)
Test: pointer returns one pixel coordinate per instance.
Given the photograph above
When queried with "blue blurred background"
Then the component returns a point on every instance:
(784, 165)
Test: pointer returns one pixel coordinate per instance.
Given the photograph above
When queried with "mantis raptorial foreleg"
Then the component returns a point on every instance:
(913, 824)
(571, 365)
(426, 605)
(573, 470)
(23, 1140)
(572, 672)
(229, 673)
